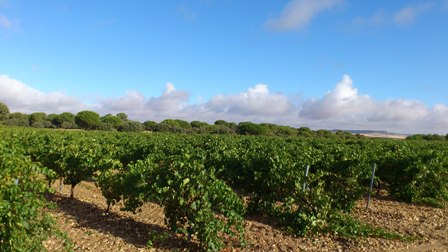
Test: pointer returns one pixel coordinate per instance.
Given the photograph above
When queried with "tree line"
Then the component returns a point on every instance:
(90, 120)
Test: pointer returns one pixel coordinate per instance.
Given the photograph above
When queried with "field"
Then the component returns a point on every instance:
(87, 225)
(131, 192)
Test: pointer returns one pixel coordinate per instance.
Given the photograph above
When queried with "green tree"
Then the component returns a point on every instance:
(231, 125)
(4, 111)
(62, 118)
(221, 129)
(173, 125)
(104, 126)
(163, 127)
(221, 122)
(38, 124)
(123, 116)
(131, 126)
(68, 125)
(47, 124)
(88, 119)
(305, 132)
(150, 125)
(324, 133)
(249, 128)
(115, 121)
(18, 119)
(183, 124)
(198, 124)
(50, 118)
(37, 117)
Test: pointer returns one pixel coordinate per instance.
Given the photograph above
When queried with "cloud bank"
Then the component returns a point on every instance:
(21, 97)
(343, 107)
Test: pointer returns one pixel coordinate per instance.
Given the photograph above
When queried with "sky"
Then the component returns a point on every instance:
(323, 64)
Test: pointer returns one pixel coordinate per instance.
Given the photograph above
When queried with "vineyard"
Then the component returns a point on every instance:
(207, 185)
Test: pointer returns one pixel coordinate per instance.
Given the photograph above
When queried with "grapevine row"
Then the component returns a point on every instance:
(208, 183)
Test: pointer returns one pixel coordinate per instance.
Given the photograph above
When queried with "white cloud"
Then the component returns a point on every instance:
(297, 14)
(21, 97)
(169, 88)
(130, 101)
(341, 108)
(342, 101)
(171, 100)
(439, 116)
(399, 111)
(405, 16)
(138, 107)
(377, 19)
(5, 22)
(409, 14)
(345, 108)
(256, 101)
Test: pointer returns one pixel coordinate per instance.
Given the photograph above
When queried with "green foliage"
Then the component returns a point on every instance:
(181, 125)
(248, 128)
(23, 223)
(426, 137)
(162, 127)
(87, 119)
(67, 125)
(17, 119)
(279, 130)
(200, 179)
(47, 124)
(195, 201)
(305, 132)
(4, 111)
(37, 117)
(324, 133)
(198, 124)
(38, 125)
(81, 159)
(170, 126)
(131, 126)
(221, 129)
(416, 174)
(150, 125)
(106, 127)
(111, 184)
(122, 116)
(66, 118)
(230, 125)
(115, 121)
(51, 117)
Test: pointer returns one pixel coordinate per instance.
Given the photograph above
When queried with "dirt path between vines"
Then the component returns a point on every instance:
(90, 229)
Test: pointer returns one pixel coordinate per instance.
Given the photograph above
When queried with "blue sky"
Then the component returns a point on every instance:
(323, 64)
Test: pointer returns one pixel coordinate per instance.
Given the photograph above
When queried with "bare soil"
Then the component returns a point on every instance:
(91, 229)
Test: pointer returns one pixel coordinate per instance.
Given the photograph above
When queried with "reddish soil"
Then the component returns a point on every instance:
(91, 229)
